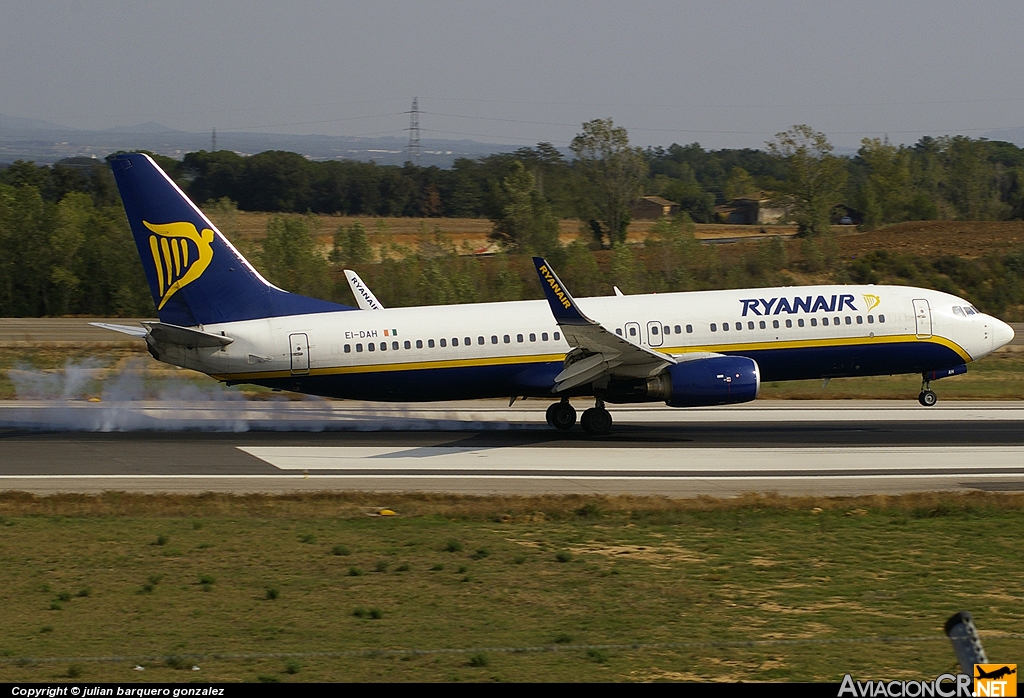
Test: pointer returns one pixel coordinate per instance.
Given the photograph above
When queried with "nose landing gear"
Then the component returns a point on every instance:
(927, 398)
(561, 415)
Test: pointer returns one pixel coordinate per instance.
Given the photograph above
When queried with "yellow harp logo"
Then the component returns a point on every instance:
(871, 301)
(180, 253)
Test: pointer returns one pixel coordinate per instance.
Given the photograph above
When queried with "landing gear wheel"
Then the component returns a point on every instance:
(927, 398)
(596, 421)
(561, 415)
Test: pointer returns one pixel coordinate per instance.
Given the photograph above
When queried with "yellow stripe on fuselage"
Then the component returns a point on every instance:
(542, 358)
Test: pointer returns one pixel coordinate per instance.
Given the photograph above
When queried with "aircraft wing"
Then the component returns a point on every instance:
(596, 351)
(364, 296)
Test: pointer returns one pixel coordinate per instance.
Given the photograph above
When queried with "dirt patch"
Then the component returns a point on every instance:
(971, 239)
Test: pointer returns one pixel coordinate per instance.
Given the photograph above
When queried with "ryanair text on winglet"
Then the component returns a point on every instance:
(549, 277)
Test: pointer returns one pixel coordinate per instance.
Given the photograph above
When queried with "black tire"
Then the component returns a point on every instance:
(596, 421)
(562, 415)
(927, 398)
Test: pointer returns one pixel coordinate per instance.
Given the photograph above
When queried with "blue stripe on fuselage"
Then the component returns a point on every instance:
(537, 379)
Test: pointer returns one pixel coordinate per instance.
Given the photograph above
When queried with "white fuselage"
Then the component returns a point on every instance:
(780, 327)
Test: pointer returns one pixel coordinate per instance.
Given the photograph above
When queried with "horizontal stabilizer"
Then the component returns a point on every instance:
(123, 329)
(164, 333)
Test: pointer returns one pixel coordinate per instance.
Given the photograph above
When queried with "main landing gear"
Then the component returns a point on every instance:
(927, 398)
(597, 420)
(561, 415)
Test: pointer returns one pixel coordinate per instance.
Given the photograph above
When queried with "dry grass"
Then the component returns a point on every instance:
(181, 579)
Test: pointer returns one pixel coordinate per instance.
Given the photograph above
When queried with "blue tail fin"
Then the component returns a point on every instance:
(196, 276)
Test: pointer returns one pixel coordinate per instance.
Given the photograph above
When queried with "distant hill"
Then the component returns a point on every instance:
(1010, 135)
(45, 142)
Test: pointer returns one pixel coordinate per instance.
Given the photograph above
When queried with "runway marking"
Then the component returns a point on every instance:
(520, 461)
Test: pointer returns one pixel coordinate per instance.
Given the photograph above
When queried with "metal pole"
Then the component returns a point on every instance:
(963, 634)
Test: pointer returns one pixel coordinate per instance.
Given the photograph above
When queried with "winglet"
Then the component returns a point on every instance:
(563, 305)
(363, 295)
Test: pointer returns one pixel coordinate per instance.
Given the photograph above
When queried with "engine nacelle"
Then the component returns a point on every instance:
(716, 380)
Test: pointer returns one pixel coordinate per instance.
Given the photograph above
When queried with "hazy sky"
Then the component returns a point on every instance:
(724, 73)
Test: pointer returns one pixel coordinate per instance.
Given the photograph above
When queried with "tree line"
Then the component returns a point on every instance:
(65, 247)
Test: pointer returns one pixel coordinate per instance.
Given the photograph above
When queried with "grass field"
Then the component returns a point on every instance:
(172, 577)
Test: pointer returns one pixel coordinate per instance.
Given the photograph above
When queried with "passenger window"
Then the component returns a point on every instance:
(533, 337)
(689, 329)
(507, 339)
(739, 325)
(800, 322)
(714, 327)
(849, 320)
(430, 344)
(725, 327)
(957, 310)
(419, 343)
(835, 321)
(860, 320)
(519, 338)
(632, 332)
(750, 325)
(557, 336)
(618, 331)
(455, 342)
(443, 343)
(371, 346)
(654, 329)
(762, 325)
(469, 341)
(824, 321)
(359, 348)
(789, 323)
(668, 330)
(775, 324)
(494, 339)
(383, 346)
(544, 336)
(881, 318)
(394, 345)
(479, 340)
(679, 330)
(348, 348)
(408, 344)
(814, 321)
(871, 319)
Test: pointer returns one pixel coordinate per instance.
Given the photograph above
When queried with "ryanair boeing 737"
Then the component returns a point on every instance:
(219, 316)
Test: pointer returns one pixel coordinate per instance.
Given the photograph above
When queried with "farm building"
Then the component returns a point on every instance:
(750, 210)
(654, 207)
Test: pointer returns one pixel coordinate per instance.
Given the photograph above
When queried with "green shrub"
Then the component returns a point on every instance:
(340, 549)
(453, 546)
(354, 572)
(272, 593)
(479, 660)
(563, 556)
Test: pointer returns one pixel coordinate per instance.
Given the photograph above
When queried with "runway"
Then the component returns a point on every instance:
(789, 447)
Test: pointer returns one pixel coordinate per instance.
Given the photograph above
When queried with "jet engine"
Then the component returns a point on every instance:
(715, 380)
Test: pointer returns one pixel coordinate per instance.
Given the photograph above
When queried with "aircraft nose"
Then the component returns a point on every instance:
(1002, 334)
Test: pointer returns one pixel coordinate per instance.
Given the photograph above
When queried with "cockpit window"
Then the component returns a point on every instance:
(957, 310)
(970, 310)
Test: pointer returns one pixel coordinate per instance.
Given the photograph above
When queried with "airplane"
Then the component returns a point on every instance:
(218, 315)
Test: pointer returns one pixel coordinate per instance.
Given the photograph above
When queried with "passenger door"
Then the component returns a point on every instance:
(654, 333)
(633, 333)
(923, 317)
(299, 348)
